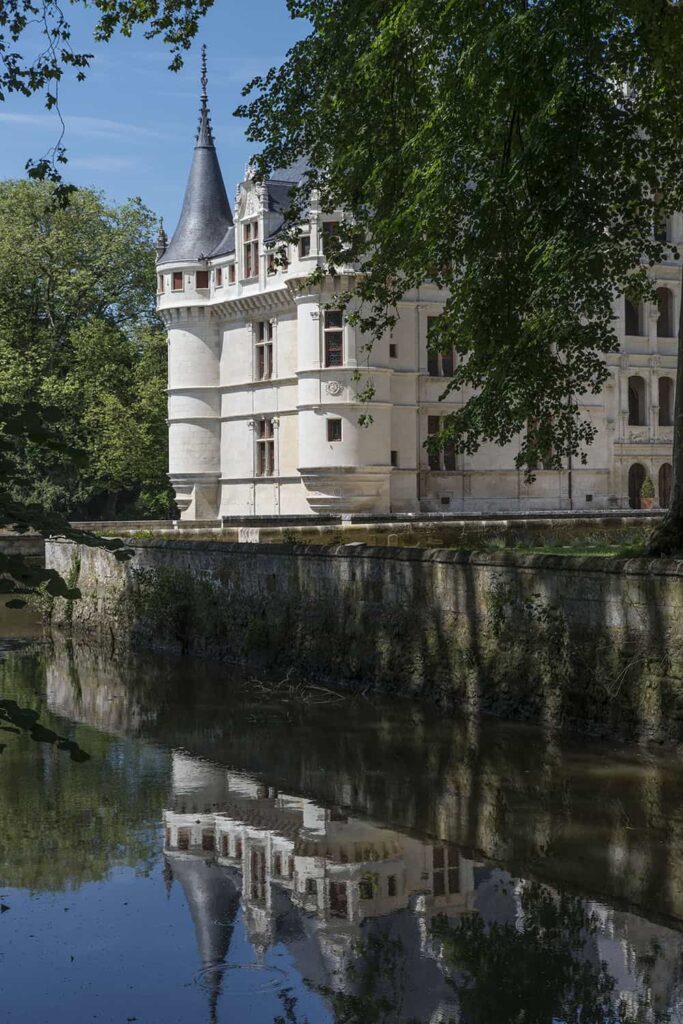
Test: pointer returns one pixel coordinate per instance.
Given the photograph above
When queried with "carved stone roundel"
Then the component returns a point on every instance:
(333, 387)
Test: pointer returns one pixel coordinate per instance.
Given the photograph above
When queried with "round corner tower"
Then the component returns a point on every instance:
(193, 335)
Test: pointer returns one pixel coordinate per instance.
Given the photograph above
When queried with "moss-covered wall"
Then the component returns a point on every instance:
(590, 643)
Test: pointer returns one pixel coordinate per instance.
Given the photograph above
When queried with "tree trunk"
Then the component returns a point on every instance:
(667, 536)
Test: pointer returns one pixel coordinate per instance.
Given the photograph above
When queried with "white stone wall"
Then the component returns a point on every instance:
(216, 404)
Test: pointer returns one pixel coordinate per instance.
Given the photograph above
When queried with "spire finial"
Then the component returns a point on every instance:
(204, 132)
(204, 75)
(162, 240)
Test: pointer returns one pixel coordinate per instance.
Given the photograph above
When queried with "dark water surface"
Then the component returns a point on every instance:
(228, 854)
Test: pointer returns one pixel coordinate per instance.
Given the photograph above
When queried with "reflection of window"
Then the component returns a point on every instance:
(183, 839)
(445, 870)
(391, 885)
(334, 337)
(633, 316)
(277, 865)
(311, 888)
(665, 326)
(666, 402)
(224, 844)
(238, 847)
(439, 364)
(636, 402)
(250, 248)
(365, 888)
(443, 458)
(208, 841)
(338, 899)
(265, 447)
(264, 350)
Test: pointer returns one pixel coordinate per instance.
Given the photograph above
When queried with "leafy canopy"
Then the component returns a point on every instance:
(27, 68)
(79, 338)
(516, 153)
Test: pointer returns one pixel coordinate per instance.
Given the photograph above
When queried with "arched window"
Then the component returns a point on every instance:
(636, 402)
(665, 322)
(666, 401)
(633, 317)
(665, 476)
(636, 479)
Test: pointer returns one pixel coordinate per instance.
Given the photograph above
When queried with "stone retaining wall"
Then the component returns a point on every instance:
(589, 643)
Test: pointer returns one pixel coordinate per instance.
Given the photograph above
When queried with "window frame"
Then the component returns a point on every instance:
(175, 287)
(333, 350)
(304, 243)
(250, 249)
(446, 459)
(265, 448)
(264, 335)
(435, 360)
(218, 277)
(334, 427)
(205, 280)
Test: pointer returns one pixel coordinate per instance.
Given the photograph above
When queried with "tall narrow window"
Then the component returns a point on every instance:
(439, 364)
(202, 279)
(304, 246)
(329, 236)
(177, 280)
(265, 448)
(666, 402)
(160, 283)
(334, 337)
(444, 458)
(264, 350)
(270, 263)
(231, 274)
(219, 277)
(250, 245)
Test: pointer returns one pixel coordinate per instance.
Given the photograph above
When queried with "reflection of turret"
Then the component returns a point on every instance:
(213, 899)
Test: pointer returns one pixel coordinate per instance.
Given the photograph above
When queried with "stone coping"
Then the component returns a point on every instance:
(449, 556)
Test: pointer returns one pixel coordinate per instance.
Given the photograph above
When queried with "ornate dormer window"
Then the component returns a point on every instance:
(250, 246)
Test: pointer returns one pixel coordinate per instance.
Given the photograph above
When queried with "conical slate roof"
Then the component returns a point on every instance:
(206, 215)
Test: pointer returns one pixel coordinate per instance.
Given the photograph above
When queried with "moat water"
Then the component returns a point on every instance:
(181, 843)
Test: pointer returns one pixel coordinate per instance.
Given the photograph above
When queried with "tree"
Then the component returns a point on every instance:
(78, 336)
(541, 968)
(517, 153)
(41, 70)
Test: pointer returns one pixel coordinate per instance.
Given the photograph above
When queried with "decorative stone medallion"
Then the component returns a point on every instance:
(333, 387)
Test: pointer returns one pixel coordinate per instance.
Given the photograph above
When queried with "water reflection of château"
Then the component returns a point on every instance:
(321, 883)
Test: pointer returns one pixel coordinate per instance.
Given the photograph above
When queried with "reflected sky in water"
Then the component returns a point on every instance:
(223, 858)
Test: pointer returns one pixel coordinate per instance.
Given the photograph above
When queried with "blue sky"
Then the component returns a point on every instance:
(130, 126)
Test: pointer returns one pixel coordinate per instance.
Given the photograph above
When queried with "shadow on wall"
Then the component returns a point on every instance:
(590, 644)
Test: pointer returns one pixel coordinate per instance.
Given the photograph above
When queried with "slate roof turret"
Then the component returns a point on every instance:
(206, 216)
